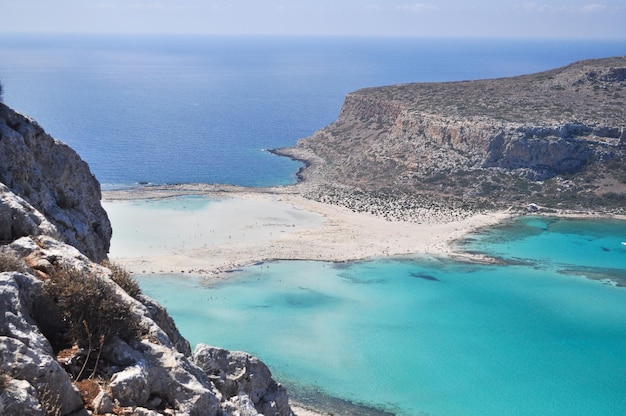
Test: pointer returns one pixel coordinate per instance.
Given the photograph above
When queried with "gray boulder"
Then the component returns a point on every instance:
(242, 378)
(18, 218)
(25, 354)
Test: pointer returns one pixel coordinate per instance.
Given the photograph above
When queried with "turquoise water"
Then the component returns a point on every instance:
(433, 337)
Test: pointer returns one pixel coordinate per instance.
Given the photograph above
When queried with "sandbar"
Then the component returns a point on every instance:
(209, 230)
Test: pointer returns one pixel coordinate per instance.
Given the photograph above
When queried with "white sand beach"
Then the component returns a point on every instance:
(160, 230)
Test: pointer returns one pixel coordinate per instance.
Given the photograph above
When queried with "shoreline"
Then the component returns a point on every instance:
(268, 224)
(244, 226)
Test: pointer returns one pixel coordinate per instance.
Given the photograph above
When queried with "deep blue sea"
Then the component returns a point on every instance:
(203, 109)
(531, 336)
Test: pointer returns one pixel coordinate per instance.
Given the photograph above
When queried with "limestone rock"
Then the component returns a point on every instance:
(130, 386)
(238, 376)
(18, 218)
(19, 398)
(164, 321)
(18, 294)
(119, 353)
(53, 179)
(25, 354)
(177, 381)
(103, 403)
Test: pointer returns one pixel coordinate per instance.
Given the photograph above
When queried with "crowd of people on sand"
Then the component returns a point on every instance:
(413, 208)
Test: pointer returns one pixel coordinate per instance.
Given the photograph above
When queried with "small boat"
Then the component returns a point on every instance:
(624, 243)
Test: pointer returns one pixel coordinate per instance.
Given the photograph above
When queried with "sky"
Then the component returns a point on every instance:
(421, 18)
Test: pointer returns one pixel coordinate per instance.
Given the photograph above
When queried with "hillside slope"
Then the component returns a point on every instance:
(555, 138)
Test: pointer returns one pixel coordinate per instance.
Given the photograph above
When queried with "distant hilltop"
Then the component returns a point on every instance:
(554, 139)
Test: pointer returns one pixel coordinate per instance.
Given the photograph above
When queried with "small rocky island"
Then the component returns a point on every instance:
(78, 337)
(553, 140)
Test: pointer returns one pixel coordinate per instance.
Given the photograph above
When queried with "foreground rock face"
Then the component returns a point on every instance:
(152, 373)
(557, 138)
(52, 178)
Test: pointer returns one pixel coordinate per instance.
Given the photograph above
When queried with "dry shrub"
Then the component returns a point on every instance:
(123, 278)
(10, 262)
(91, 309)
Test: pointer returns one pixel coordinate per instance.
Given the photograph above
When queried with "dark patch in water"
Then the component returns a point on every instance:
(618, 276)
(306, 298)
(323, 403)
(341, 265)
(424, 276)
(605, 249)
(354, 280)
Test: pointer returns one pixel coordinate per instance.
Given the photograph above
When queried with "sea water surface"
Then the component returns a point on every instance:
(530, 336)
(182, 109)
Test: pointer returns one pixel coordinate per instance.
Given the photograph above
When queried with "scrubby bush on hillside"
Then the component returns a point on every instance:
(123, 278)
(92, 311)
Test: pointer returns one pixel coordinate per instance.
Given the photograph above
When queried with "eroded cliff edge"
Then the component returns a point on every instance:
(50, 177)
(77, 336)
(555, 139)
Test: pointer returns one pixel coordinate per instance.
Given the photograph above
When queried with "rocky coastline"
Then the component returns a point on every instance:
(555, 139)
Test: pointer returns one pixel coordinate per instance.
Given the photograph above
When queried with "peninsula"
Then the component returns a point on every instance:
(407, 169)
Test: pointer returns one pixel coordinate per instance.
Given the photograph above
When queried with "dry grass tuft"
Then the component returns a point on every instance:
(123, 278)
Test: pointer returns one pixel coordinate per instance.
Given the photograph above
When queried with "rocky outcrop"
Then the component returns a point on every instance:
(18, 218)
(26, 357)
(498, 142)
(243, 377)
(152, 372)
(52, 178)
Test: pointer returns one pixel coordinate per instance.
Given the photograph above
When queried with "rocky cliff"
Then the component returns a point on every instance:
(556, 138)
(77, 337)
(51, 178)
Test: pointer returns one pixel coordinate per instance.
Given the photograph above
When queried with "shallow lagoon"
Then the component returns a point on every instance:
(434, 337)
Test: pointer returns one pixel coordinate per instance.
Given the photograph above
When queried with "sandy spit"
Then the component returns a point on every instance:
(243, 226)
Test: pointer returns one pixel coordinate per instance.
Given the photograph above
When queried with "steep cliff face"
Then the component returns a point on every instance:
(52, 178)
(502, 141)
